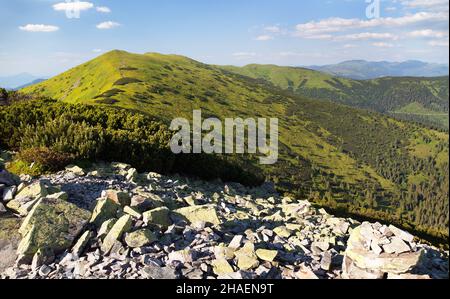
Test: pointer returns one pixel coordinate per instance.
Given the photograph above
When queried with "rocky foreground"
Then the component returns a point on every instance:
(111, 222)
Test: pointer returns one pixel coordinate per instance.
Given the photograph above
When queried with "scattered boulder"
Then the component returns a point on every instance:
(36, 190)
(267, 255)
(157, 272)
(246, 257)
(158, 216)
(222, 267)
(140, 238)
(76, 170)
(122, 226)
(305, 273)
(195, 214)
(145, 203)
(119, 197)
(9, 193)
(105, 228)
(52, 224)
(81, 244)
(104, 210)
(230, 232)
(182, 256)
(132, 212)
(43, 256)
(395, 257)
(283, 232)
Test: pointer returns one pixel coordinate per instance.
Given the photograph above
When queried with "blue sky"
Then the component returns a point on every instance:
(38, 37)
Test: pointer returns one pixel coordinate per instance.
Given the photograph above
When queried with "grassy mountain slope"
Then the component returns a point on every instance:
(343, 158)
(425, 100)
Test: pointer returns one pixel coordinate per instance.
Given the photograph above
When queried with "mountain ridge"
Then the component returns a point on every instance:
(337, 156)
(390, 95)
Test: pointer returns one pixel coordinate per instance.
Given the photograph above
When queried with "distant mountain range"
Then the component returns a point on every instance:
(364, 70)
(419, 99)
(19, 81)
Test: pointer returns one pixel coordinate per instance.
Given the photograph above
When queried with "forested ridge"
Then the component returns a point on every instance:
(424, 100)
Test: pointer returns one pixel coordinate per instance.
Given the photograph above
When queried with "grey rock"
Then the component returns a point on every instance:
(155, 272)
(2, 209)
(8, 193)
(325, 263)
(405, 236)
(396, 246)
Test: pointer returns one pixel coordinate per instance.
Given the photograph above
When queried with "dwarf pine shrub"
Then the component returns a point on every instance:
(54, 134)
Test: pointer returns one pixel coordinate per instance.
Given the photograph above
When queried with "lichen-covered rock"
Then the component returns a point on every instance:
(158, 216)
(132, 212)
(105, 228)
(222, 267)
(104, 210)
(283, 231)
(36, 190)
(194, 214)
(246, 257)
(122, 226)
(224, 252)
(140, 238)
(267, 255)
(53, 224)
(76, 170)
(81, 244)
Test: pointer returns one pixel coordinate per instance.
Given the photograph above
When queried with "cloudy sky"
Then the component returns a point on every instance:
(46, 37)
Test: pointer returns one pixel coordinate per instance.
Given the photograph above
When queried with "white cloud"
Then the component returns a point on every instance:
(264, 38)
(39, 28)
(383, 45)
(103, 9)
(428, 33)
(439, 43)
(73, 6)
(273, 29)
(333, 25)
(108, 25)
(367, 35)
(427, 4)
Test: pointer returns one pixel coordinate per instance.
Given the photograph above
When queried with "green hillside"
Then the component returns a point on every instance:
(424, 100)
(342, 158)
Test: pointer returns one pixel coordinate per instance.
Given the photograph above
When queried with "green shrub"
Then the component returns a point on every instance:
(47, 159)
(107, 101)
(64, 136)
(19, 167)
(127, 80)
(92, 133)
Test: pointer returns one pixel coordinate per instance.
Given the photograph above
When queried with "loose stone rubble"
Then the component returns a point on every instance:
(111, 222)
